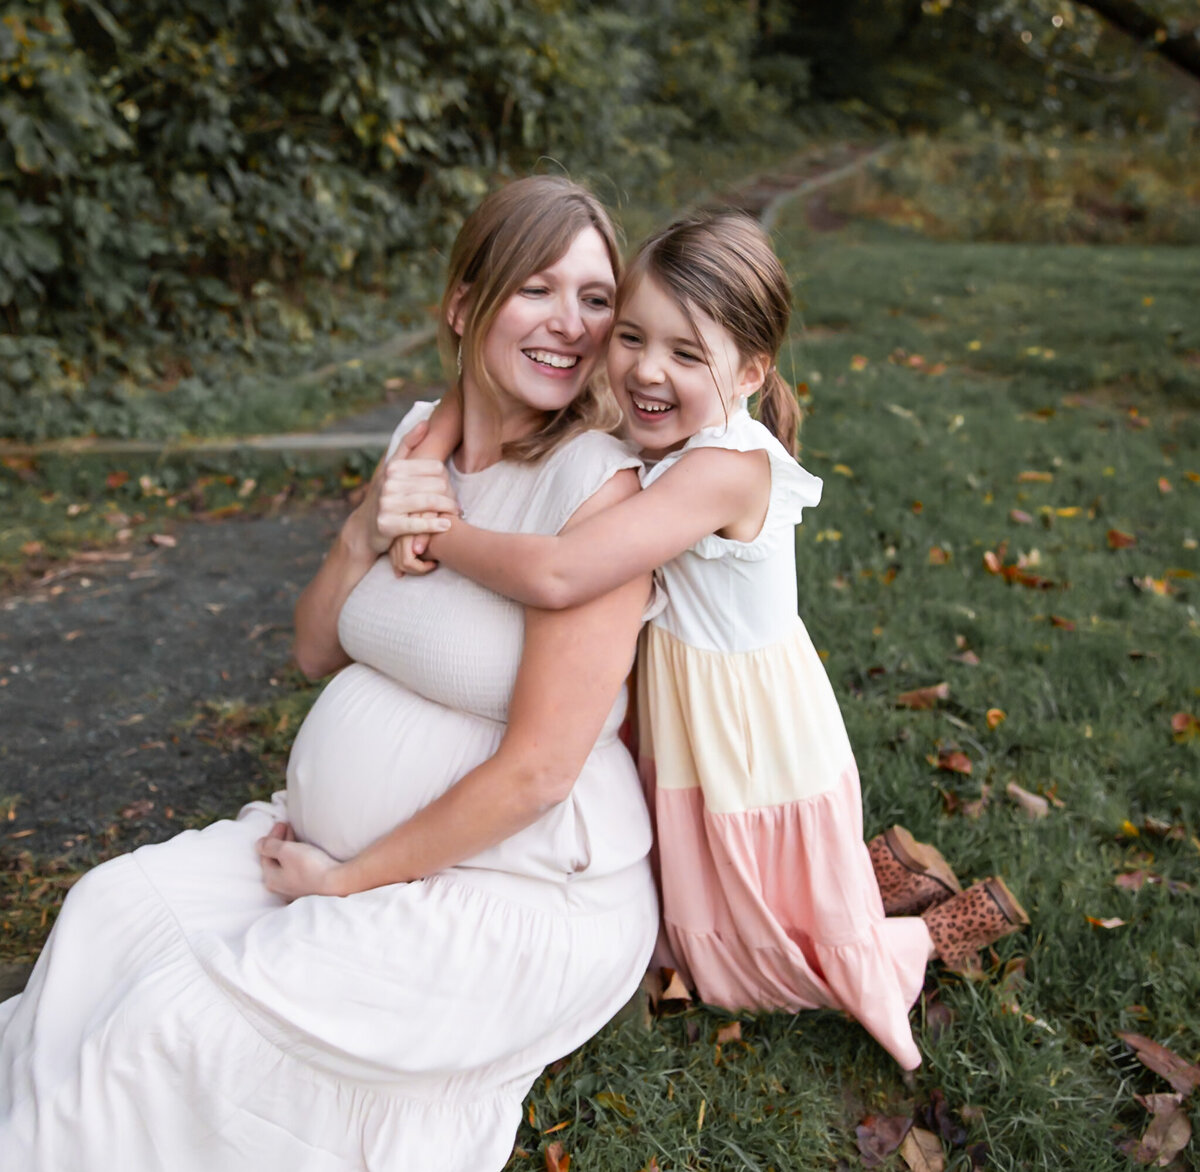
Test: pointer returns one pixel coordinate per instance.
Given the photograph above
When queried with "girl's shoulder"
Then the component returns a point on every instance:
(793, 488)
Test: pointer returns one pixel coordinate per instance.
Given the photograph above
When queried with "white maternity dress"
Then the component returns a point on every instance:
(182, 1019)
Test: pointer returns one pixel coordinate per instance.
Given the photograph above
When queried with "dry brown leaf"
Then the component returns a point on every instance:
(922, 1151)
(976, 808)
(1184, 726)
(995, 717)
(953, 761)
(1033, 805)
(729, 1033)
(1108, 922)
(878, 1136)
(939, 556)
(1182, 1075)
(163, 539)
(1170, 1131)
(927, 697)
(557, 1159)
(673, 987)
(615, 1102)
(968, 657)
(1119, 540)
(1062, 624)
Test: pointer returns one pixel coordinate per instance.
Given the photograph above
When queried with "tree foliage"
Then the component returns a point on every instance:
(160, 159)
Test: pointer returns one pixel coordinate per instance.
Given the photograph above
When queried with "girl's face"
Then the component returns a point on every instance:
(544, 343)
(671, 378)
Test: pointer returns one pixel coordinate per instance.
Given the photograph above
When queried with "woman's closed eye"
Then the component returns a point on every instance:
(534, 290)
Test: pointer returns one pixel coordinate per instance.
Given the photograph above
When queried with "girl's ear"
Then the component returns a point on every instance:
(753, 374)
(455, 311)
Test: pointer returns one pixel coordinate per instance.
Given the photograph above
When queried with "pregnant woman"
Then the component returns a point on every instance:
(370, 971)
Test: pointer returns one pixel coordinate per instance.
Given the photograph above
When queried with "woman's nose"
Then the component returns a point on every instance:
(567, 321)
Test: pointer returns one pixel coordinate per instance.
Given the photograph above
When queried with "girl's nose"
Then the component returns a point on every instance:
(648, 369)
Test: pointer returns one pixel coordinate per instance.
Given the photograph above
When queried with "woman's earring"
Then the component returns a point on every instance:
(458, 360)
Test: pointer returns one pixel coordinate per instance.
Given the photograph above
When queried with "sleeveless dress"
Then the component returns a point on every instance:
(183, 1019)
(769, 897)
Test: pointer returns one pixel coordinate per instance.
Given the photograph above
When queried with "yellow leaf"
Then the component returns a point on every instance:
(995, 717)
(843, 470)
(974, 344)
(830, 535)
(858, 362)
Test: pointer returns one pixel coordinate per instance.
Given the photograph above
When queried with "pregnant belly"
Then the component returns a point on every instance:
(370, 754)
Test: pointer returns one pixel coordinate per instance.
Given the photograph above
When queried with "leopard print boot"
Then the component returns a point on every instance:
(979, 916)
(912, 876)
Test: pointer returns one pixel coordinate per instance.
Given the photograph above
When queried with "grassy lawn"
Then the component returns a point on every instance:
(968, 398)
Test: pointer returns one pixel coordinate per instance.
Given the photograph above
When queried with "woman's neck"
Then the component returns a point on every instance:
(488, 426)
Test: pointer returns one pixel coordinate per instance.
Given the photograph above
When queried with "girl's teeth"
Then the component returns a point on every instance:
(559, 361)
(651, 408)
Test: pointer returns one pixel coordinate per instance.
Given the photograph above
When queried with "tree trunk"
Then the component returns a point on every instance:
(1130, 17)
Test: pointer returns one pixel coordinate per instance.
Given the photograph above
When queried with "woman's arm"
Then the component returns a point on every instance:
(400, 488)
(572, 668)
(708, 490)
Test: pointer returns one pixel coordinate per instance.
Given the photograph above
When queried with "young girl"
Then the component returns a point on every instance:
(769, 896)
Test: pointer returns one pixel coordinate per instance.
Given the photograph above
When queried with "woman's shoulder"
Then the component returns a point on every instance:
(578, 468)
(419, 412)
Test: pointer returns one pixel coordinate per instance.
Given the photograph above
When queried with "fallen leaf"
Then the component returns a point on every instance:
(729, 1033)
(1030, 477)
(922, 1151)
(557, 1159)
(615, 1102)
(1164, 485)
(1119, 540)
(843, 470)
(116, 479)
(1061, 623)
(995, 717)
(1184, 726)
(975, 809)
(673, 987)
(30, 548)
(1020, 517)
(939, 556)
(1132, 880)
(968, 657)
(1182, 1075)
(1033, 805)
(1109, 922)
(1159, 586)
(953, 761)
(878, 1136)
(1170, 1130)
(921, 698)
(163, 539)
(992, 563)
(138, 809)
(858, 362)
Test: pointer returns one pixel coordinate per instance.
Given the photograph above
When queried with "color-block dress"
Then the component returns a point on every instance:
(182, 1018)
(769, 897)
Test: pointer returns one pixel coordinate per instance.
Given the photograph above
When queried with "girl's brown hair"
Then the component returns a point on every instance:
(516, 231)
(721, 264)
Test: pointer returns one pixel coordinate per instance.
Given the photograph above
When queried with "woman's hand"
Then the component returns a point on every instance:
(402, 489)
(292, 868)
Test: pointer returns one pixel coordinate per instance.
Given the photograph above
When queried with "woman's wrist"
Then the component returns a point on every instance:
(355, 538)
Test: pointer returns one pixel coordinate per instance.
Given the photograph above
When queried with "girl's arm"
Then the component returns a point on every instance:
(442, 438)
(400, 488)
(572, 667)
(706, 491)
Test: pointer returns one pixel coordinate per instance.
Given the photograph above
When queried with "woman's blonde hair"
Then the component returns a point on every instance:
(516, 231)
(722, 264)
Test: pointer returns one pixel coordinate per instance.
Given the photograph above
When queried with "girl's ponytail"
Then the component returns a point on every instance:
(778, 410)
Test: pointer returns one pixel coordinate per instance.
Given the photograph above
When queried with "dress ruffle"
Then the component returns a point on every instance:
(793, 489)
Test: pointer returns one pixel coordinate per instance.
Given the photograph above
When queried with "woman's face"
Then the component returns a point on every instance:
(544, 343)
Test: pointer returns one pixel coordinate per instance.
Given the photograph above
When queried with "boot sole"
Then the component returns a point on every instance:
(921, 858)
(1008, 903)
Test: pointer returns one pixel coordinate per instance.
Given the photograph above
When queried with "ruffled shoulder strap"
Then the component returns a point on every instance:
(793, 489)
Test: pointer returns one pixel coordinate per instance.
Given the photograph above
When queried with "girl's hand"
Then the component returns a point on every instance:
(401, 488)
(293, 869)
(406, 552)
